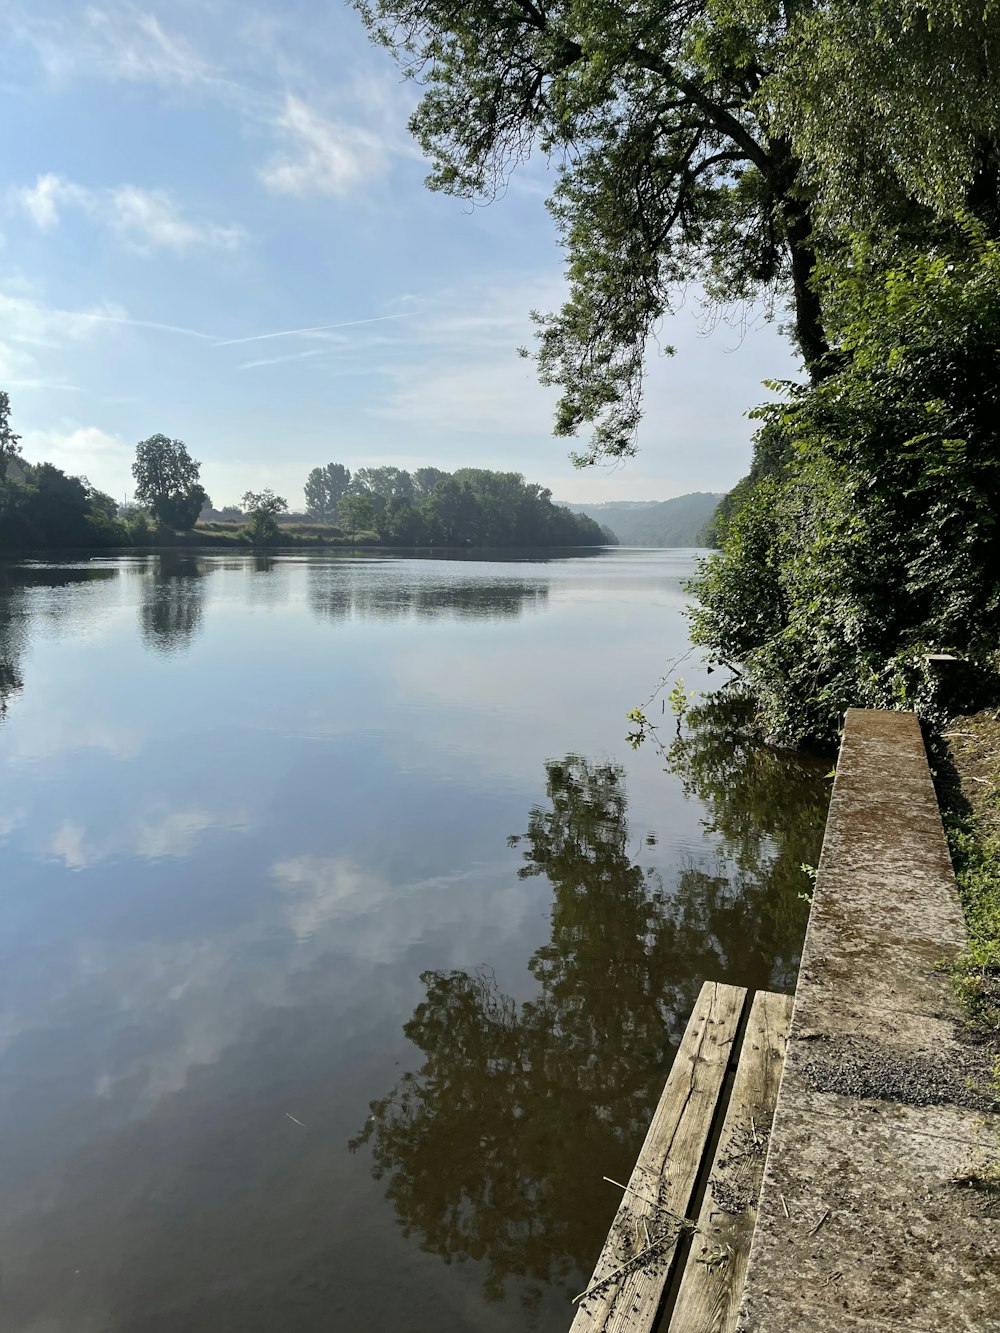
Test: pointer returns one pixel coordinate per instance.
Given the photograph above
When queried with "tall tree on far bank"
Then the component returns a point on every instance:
(167, 482)
(325, 488)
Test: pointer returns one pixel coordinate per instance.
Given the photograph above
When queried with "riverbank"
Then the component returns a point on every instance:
(878, 1210)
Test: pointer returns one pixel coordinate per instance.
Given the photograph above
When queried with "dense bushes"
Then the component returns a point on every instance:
(41, 506)
(867, 537)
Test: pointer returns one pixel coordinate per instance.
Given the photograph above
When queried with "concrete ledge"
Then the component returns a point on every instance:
(870, 1221)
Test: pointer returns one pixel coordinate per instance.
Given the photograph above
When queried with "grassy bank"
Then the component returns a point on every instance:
(969, 788)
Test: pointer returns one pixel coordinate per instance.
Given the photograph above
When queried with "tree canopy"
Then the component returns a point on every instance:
(262, 509)
(470, 507)
(868, 540)
(9, 442)
(720, 142)
(324, 489)
(167, 484)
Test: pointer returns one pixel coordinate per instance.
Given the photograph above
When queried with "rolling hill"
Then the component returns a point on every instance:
(681, 521)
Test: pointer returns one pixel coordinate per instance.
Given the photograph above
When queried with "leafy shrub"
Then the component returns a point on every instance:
(869, 541)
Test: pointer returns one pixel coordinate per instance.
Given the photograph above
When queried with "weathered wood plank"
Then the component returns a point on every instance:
(708, 1300)
(664, 1177)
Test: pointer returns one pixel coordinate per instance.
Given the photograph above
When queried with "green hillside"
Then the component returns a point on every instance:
(681, 521)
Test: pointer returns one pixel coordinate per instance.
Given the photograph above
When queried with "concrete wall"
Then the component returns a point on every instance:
(871, 1216)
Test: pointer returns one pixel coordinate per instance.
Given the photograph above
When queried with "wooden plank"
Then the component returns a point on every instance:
(711, 1287)
(627, 1286)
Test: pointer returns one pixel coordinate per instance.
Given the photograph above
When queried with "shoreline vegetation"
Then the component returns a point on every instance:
(44, 509)
(967, 763)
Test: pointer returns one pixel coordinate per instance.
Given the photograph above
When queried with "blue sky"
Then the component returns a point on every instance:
(213, 224)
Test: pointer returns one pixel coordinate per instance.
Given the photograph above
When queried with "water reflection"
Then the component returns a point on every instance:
(339, 592)
(494, 1149)
(13, 636)
(17, 610)
(172, 603)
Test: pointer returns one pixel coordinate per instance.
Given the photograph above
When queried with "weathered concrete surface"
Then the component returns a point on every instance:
(872, 1218)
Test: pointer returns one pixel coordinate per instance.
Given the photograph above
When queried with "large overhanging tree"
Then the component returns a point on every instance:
(680, 138)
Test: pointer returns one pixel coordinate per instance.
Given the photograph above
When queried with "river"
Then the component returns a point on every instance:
(345, 942)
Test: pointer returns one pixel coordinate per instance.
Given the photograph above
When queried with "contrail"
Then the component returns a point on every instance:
(319, 328)
(135, 323)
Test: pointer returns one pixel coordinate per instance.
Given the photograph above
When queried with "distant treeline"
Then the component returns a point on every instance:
(686, 520)
(469, 507)
(42, 507)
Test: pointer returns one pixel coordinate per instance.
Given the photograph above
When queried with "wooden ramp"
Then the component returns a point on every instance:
(705, 1151)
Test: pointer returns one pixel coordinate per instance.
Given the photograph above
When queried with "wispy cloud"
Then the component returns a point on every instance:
(291, 356)
(146, 220)
(318, 328)
(321, 156)
(27, 320)
(125, 42)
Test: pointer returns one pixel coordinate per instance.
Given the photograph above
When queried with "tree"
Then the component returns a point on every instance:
(892, 104)
(386, 483)
(167, 482)
(669, 170)
(451, 513)
(425, 479)
(402, 523)
(262, 509)
(325, 487)
(9, 442)
(356, 513)
(701, 140)
(869, 539)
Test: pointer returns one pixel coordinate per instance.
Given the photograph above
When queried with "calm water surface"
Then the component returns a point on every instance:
(344, 942)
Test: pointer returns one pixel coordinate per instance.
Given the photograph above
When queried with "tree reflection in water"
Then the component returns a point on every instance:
(18, 612)
(494, 1150)
(172, 605)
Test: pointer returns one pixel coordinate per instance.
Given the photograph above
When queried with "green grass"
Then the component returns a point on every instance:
(969, 786)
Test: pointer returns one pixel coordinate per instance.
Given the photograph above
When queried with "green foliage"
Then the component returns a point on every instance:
(166, 478)
(262, 509)
(667, 169)
(9, 442)
(869, 538)
(324, 489)
(473, 507)
(887, 103)
(355, 513)
(47, 508)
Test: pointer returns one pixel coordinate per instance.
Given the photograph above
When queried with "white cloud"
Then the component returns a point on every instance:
(176, 832)
(43, 200)
(150, 219)
(145, 220)
(80, 450)
(321, 156)
(319, 888)
(123, 43)
(25, 319)
(68, 844)
(153, 837)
